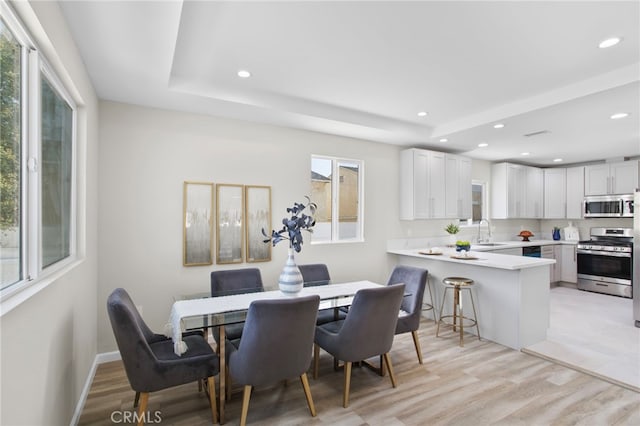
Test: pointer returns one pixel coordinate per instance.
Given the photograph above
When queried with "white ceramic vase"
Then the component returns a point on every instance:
(290, 281)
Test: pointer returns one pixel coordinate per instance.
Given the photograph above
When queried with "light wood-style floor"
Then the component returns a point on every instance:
(479, 384)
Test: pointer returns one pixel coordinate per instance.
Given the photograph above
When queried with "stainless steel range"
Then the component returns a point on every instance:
(605, 263)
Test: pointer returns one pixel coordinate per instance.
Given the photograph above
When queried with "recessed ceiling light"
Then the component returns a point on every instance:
(444, 140)
(524, 153)
(498, 126)
(619, 115)
(557, 160)
(483, 145)
(422, 113)
(609, 42)
(244, 74)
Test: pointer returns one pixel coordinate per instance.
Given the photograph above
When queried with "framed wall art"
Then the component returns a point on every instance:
(197, 244)
(230, 223)
(258, 216)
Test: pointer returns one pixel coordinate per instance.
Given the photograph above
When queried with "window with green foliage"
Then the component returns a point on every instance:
(37, 137)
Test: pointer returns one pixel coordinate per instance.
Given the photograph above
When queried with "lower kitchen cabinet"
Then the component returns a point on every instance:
(568, 263)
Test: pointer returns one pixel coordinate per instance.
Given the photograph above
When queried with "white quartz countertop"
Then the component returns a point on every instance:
(482, 259)
(498, 245)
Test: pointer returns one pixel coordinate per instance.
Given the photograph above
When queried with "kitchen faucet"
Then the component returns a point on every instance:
(488, 239)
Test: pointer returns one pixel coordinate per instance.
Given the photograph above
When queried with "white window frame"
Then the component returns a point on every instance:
(34, 67)
(335, 200)
(485, 204)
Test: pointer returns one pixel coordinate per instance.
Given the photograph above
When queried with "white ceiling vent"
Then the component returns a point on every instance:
(540, 132)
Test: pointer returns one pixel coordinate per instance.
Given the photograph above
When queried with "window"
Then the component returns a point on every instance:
(37, 162)
(339, 200)
(478, 201)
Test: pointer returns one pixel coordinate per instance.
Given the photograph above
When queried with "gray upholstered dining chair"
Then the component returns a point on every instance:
(367, 331)
(315, 274)
(234, 281)
(415, 281)
(149, 359)
(275, 345)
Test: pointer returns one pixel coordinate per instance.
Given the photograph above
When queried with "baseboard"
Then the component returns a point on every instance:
(99, 359)
(108, 357)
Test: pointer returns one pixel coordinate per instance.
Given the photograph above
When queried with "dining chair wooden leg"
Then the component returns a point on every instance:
(136, 400)
(307, 393)
(211, 383)
(347, 383)
(316, 360)
(387, 361)
(416, 343)
(245, 404)
(143, 407)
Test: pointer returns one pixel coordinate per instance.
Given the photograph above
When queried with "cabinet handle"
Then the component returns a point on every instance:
(613, 185)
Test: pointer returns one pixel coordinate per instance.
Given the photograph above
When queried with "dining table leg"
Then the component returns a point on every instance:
(222, 394)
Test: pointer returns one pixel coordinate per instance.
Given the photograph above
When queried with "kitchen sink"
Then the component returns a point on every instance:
(489, 244)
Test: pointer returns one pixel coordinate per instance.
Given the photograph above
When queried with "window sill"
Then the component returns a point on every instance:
(14, 297)
(319, 243)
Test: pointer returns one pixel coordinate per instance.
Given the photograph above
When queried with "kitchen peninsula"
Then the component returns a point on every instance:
(511, 292)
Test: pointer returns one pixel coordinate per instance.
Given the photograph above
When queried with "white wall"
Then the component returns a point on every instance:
(48, 343)
(146, 154)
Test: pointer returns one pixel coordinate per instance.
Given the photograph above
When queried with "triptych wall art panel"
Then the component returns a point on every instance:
(241, 212)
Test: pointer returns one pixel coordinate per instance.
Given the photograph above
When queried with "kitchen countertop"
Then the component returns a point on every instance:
(514, 244)
(484, 259)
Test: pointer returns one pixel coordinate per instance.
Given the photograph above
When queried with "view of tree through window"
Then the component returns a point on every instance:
(10, 147)
(37, 162)
(57, 122)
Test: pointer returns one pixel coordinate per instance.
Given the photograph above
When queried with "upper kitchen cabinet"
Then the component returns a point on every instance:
(422, 184)
(555, 193)
(534, 200)
(457, 186)
(575, 192)
(563, 192)
(516, 191)
(611, 178)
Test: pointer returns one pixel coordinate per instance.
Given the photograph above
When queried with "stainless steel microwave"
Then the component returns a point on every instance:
(608, 206)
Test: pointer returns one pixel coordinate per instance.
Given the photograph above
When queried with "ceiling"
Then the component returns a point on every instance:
(365, 69)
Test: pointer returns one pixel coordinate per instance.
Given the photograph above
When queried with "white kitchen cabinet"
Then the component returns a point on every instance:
(457, 186)
(575, 192)
(555, 193)
(611, 178)
(568, 263)
(513, 251)
(516, 191)
(534, 200)
(422, 184)
(548, 252)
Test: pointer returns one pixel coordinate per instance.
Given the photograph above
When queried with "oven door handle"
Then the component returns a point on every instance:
(604, 253)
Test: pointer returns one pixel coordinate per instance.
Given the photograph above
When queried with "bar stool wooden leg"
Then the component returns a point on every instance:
(461, 317)
(456, 296)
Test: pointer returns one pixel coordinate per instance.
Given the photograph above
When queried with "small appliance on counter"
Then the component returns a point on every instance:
(571, 233)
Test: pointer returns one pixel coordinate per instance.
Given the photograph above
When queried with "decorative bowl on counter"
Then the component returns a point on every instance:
(463, 245)
(525, 235)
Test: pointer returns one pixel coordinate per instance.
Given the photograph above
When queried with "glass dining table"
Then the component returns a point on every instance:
(200, 311)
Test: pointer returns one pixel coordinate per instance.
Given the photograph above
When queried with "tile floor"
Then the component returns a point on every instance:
(593, 333)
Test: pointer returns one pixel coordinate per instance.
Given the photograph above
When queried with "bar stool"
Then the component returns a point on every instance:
(457, 284)
(430, 306)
